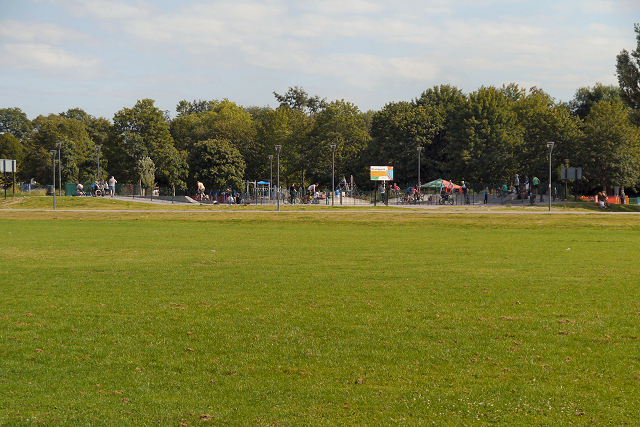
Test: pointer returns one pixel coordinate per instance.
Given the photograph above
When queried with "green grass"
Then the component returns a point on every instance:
(310, 318)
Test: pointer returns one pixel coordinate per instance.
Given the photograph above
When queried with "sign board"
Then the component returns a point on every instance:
(7, 166)
(381, 173)
(571, 173)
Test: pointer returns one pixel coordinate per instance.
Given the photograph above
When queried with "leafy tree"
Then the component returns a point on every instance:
(10, 148)
(77, 152)
(397, 131)
(610, 150)
(185, 108)
(542, 120)
(15, 122)
(220, 120)
(146, 170)
(586, 97)
(341, 123)
(628, 72)
(139, 132)
(217, 163)
(484, 138)
(286, 127)
(297, 99)
(446, 100)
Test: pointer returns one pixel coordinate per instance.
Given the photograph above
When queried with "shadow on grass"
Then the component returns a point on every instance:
(596, 208)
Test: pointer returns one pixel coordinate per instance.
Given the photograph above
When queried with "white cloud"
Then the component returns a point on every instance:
(45, 59)
(39, 32)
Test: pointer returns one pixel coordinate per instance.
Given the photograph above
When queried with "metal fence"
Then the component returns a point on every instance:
(266, 196)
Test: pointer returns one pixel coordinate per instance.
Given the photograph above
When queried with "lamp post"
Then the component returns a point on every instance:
(59, 144)
(550, 146)
(270, 177)
(278, 147)
(98, 147)
(419, 150)
(333, 172)
(53, 167)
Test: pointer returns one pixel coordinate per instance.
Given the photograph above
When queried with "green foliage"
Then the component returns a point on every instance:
(78, 152)
(397, 131)
(340, 123)
(146, 170)
(217, 164)
(15, 122)
(586, 97)
(484, 138)
(297, 99)
(542, 120)
(628, 72)
(11, 148)
(140, 132)
(610, 148)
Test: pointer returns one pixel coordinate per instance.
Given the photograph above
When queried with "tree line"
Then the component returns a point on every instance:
(486, 136)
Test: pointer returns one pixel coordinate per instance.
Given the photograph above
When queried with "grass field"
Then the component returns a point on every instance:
(318, 318)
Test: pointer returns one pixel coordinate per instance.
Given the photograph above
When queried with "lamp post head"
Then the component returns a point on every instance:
(333, 146)
(270, 156)
(550, 146)
(419, 149)
(59, 144)
(98, 147)
(278, 147)
(53, 153)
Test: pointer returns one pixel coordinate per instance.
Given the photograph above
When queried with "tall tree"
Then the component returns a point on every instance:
(218, 164)
(610, 148)
(397, 131)
(628, 72)
(542, 120)
(77, 151)
(297, 99)
(446, 100)
(15, 122)
(341, 123)
(139, 132)
(586, 97)
(484, 138)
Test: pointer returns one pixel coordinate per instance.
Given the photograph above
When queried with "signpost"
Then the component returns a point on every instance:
(567, 174)
(7, 165)
(381, 173)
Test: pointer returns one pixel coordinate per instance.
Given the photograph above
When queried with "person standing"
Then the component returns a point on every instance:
(516, 184)
(381, 188)
(292, 193)
(536, 184)
(112, 186)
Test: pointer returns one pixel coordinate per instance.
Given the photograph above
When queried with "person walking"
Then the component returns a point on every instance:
(112, 186)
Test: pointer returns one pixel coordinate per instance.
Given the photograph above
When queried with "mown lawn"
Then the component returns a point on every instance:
(318, 318)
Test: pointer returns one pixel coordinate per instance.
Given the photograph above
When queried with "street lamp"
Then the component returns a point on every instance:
(278, 147)
(59, 144)
(53, 167)
(98, 147)
(419, 150)
(333, 172)
(550, 146)
(270, 176)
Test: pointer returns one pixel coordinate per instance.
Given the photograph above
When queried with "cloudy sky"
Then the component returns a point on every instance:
(104, 55)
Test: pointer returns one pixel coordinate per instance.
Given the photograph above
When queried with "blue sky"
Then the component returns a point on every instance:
(104, 55)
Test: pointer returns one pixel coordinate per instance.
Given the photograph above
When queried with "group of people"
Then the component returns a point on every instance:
(99, 188)
(529, 189)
